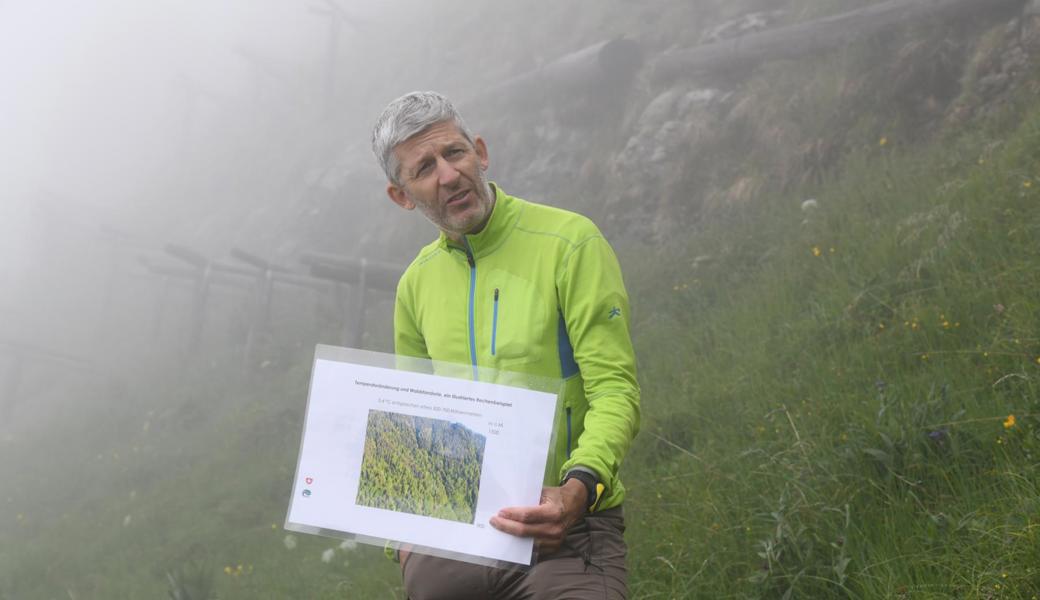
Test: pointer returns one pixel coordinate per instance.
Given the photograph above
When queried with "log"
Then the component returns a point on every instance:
(803, 39)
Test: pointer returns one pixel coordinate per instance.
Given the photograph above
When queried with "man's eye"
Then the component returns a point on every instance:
(422, 170)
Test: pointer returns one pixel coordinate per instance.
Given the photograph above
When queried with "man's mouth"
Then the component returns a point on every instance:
(459, 197)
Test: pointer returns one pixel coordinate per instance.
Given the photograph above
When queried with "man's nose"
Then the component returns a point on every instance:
(447, 174)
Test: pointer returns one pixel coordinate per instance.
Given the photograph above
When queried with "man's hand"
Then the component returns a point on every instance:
(548, 522)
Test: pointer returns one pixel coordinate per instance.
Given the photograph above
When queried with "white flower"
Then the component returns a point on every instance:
(348, 545)
(290, 542)
(809, 204)
(326, 556)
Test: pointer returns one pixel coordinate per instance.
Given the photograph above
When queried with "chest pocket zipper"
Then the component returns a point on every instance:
(494, 324)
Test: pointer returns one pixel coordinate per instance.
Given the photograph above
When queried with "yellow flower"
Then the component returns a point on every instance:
(946, 324)
(881, 326)
(1027, 184)
(1038, 360)
(1009, 422)
(227, 570)
(924, 357)
(882, 141)
(816, 251)
(832, 250)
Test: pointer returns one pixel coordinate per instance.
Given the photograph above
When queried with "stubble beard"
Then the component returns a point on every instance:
(485, 200)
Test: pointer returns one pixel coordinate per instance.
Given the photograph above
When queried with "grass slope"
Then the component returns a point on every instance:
(842, 402)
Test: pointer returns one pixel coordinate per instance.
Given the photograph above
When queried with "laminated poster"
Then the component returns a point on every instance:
(392, 452)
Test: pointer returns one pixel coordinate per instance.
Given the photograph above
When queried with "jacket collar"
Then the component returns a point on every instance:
(503, 218)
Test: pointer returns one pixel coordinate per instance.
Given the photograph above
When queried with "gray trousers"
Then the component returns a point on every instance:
(589, 565)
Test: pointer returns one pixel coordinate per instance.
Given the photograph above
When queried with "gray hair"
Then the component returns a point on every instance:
(405, 117)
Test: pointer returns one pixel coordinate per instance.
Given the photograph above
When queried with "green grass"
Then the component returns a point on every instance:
(826, 391)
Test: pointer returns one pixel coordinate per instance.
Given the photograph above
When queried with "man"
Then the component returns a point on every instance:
(520, 287)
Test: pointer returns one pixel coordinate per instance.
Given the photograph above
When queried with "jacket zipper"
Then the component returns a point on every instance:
(472, 293)
(494, 323)
(568, 433)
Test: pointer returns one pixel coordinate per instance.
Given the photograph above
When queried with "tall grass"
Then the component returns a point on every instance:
(828, 392)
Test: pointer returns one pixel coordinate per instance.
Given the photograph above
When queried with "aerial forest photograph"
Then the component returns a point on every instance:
(423, 466)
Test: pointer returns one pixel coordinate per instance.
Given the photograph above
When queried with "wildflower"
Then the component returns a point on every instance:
(326, 556)
(999, 308)
(882, 141)
(982, 161)
(1027, 184)
(290, 542)
(881, 326)
(832, 250)
(816, 251)
(924, 356)
(809, 204)
(914, 325)
(1009, 422)
(946, 324)
(348, 545)
(228, 570)
(1038, 360)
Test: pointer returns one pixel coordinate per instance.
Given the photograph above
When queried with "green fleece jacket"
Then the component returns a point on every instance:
(538, 291)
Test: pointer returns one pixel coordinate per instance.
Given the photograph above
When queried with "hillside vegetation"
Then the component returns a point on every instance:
(421, 466)
(842, 395)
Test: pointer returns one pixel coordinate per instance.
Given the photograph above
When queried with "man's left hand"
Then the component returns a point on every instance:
(560, 508)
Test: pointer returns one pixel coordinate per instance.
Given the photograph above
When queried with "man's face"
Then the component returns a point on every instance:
(443, 174)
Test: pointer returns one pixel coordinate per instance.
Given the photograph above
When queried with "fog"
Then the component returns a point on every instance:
(189, 203)
(131, 127)
(128, 126)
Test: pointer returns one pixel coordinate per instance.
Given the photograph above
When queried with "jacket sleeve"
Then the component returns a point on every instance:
(408, 339)
(595, 307)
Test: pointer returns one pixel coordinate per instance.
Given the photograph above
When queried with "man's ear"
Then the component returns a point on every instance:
(399, 197)
(480, 146)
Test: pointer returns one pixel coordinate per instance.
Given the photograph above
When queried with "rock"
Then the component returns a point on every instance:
(743, 25)
(993, 83)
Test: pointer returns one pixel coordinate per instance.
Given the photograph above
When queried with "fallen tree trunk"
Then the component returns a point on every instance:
(802, 39)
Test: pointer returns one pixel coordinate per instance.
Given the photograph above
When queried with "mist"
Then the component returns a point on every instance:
(189, 204)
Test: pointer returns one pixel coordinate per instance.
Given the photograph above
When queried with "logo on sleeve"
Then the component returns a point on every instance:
(614, 312)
